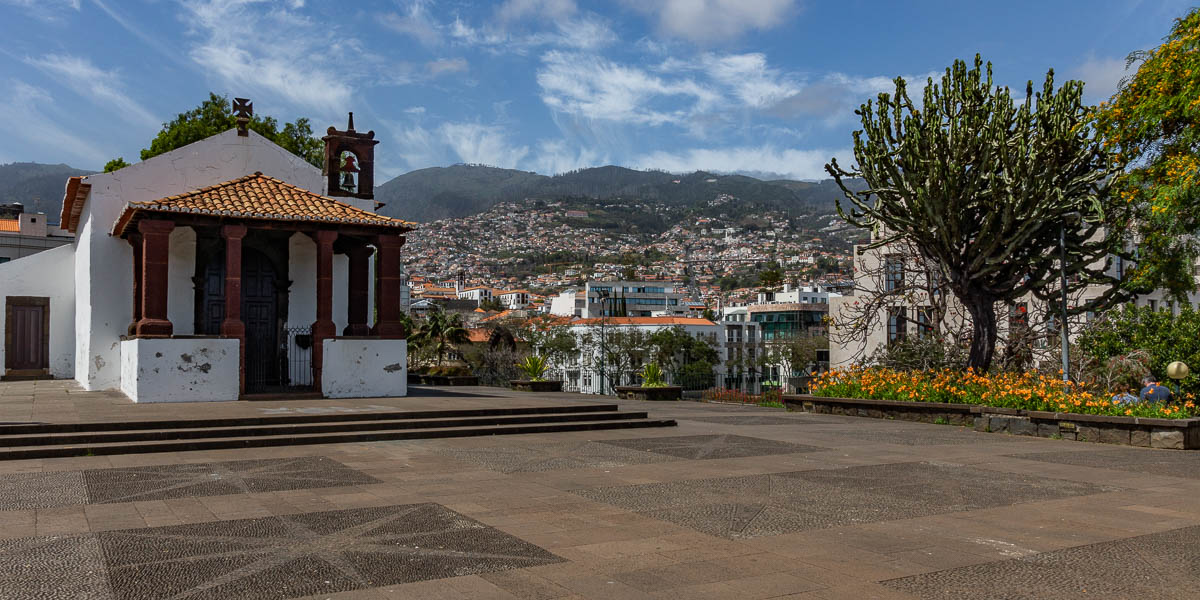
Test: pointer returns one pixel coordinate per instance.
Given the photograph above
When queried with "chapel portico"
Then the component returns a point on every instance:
(239, 225)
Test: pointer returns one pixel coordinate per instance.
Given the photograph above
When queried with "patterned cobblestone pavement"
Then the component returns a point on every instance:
(736, 502)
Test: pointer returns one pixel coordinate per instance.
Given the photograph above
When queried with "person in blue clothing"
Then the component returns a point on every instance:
(1123, 396)
(1152, 391)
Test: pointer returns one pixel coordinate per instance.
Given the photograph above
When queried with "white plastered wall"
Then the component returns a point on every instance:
(181, 290)
(302, 295)
(49, 275)
(103, 263)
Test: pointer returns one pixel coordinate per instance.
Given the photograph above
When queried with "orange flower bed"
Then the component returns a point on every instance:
(1028, 391)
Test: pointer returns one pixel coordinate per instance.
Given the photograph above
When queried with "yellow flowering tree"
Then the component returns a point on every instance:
(1154, 123)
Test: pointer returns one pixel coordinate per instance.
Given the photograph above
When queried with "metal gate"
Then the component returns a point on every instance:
(299, 358)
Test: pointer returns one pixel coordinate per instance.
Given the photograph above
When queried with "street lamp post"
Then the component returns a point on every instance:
(1069, 218)
(603, 295)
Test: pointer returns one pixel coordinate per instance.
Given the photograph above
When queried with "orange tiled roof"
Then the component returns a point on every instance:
(10, 225)
(263, 198)
(644, 321)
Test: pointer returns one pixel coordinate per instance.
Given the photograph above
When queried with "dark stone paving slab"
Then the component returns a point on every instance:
(1172, 463)
(1158, 565)
(550, 457)
(161, 482)
(700, 447)
(23, 491)
(760, 420)
(53, 567)
(773, 504)
(315, 553)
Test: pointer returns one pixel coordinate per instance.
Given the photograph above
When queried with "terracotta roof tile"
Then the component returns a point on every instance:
(259, 197)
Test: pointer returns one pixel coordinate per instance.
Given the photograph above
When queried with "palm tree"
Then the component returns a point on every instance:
(440, 332)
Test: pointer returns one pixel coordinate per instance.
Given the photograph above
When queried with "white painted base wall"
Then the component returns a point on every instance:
(180, 370)
(364, 368)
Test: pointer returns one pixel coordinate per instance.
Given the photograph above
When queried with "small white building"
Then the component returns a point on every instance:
(27, 234)
(477, 293)
(513, 299)
(226, 267)
(733, 342)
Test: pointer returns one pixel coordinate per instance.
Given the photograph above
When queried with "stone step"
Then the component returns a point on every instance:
(48, 428)
(193, 433)
(98, 449)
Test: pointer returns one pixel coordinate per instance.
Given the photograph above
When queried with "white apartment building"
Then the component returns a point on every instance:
(478, 293)
(514, 299)
(909, 313)
(582, 372)
(803, 294)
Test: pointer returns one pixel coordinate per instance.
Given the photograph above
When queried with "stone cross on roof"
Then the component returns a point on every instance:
(243, 108)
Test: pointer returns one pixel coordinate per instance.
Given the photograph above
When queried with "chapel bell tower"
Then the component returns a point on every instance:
(350, 162)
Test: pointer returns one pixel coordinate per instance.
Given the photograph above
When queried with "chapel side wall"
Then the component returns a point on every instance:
(48, 275)
(302, 272)
(341, 292)
(103, 267)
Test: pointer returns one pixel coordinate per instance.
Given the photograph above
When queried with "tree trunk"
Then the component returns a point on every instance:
(983, 338)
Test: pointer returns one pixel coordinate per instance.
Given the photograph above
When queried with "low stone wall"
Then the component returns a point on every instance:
(637, 392)
(1178, 434)
(180, 369)
(360, 367)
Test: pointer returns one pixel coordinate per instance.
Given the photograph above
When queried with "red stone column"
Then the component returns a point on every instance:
(232, 325)
(359, 276)
(387, 266)
(323, 327)
(135, 240)
(156, 246)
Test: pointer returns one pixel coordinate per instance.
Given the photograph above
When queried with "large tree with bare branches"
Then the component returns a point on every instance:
(983, 186)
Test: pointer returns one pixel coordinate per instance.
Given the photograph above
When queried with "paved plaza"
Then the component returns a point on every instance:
(734, 502)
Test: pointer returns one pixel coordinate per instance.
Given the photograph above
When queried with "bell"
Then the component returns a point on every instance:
(348, 181)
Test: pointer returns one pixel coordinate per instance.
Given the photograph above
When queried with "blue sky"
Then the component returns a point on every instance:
(757, 86)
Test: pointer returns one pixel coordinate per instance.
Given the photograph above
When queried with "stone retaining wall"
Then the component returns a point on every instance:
(1178, 434)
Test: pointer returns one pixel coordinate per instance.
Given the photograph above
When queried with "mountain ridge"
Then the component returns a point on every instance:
(462, 190)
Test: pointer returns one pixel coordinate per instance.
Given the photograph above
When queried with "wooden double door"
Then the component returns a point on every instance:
(26, 335)
(260, 313)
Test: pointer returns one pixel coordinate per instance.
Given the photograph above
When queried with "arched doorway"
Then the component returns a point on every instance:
(260, 313)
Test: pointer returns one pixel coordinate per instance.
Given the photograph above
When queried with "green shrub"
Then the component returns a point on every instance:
(652, 376)
(534, 367)
(1162, 336)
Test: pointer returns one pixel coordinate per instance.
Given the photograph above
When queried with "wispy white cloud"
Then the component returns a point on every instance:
(46, 10)
(1101, 77)
(581, 33)
(95, 85)
(415, 21)
(24, 118)
(755, 160)
(423, 146)
(557, 156)
(442, 66)
(268, 48)
(592, 87)
(139, 31)
(711, 22)
(553, 10)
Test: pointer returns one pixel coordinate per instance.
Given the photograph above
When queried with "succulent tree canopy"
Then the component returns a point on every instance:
(983, 185)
